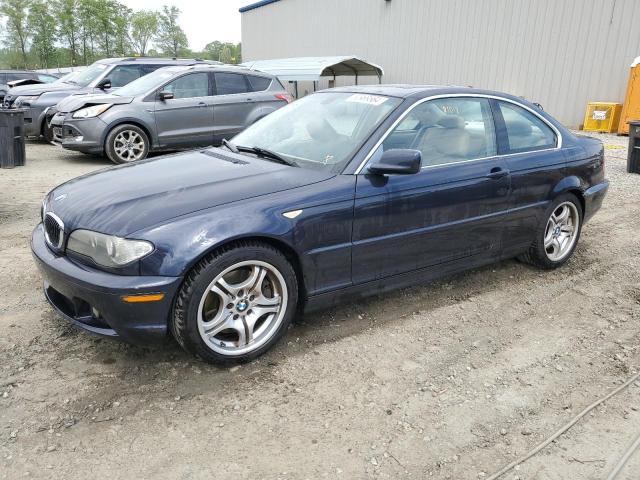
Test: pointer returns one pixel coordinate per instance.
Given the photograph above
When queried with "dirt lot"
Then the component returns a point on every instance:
(447, 381)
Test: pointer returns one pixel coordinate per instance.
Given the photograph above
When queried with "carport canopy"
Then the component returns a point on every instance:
(301, 69)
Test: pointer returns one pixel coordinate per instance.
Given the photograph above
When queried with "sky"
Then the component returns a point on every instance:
(202, 20)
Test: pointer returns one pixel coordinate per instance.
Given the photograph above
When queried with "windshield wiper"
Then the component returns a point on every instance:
(230, 145)
(263, 152)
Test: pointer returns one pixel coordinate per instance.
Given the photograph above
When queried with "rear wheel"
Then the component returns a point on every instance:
(558, 236)
(126, 143)
(236, 303)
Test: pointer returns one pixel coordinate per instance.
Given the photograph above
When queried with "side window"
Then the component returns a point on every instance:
(43, 77)
(123, 74)
(229, 83)
(447, 130)
(147, 69)
(258, 84)
(18, 76)
(189, 86)
(3, 78)
(524, 130)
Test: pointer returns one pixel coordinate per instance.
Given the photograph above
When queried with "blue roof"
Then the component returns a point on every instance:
(259, 4)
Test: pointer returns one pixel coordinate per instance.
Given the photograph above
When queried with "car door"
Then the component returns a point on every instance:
(233, 104)
(186, 119)
(452, 209)
(530, 146)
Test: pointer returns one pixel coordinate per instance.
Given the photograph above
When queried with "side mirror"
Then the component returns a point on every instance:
(104, 84)
(165, 95)
(401, 161)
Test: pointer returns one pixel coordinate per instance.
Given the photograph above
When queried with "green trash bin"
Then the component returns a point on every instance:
(12, 146)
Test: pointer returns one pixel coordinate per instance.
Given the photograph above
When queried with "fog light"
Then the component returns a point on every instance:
(95, 312)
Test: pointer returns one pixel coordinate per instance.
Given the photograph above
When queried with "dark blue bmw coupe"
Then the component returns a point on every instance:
(345, 193)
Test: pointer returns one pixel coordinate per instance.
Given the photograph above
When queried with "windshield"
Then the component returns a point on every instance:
(146, 83)
(320, 131)
(84, 77)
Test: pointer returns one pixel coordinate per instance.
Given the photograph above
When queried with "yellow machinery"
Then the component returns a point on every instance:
(631, 109)
(602, 117)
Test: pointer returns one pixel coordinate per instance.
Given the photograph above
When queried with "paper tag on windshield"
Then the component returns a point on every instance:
(368, 99)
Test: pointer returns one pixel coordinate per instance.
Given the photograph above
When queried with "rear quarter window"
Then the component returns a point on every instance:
(525, 131)
(258, 84)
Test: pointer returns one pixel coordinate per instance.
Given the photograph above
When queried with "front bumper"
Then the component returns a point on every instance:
(91, 299)
(80, 135)
(593, 198)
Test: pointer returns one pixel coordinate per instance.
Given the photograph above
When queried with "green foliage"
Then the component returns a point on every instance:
(144, 27)
(61, 33)
(42, 25)
(171, 39)
(223, 52)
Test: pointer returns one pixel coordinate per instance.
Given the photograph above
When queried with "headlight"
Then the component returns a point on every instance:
(92, 111)
(25, 99)
(107, 250)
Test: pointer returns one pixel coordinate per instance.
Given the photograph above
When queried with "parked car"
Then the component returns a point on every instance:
(102, 76)
(172, 108)
(342, 194)
(7, 76)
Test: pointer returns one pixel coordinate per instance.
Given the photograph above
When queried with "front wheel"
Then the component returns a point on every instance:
(236, 303)
(126, 143)
(558, 236)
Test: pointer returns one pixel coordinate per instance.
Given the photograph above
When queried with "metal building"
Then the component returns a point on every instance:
(560, 53)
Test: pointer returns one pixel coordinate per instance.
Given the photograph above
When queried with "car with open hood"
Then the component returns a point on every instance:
(172, 108)
(344, 193)
(102, 76)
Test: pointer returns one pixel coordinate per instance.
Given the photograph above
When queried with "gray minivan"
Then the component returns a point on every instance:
(171, 108)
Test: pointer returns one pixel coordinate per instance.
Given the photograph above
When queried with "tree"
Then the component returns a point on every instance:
(171, 39)
(144, 26)
(223, 52)
(68, 25)
(17, 25)
(42, 24)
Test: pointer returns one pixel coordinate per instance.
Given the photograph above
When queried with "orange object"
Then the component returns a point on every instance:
(631, 107)
(151, 297)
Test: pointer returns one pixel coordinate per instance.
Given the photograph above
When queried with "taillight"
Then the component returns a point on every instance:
(285, 97)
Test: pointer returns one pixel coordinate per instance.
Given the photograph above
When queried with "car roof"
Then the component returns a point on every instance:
(421, 91)
(17, 71)
(216, 68)
(156, 61)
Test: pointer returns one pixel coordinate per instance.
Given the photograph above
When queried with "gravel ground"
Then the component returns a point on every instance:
(447, 381)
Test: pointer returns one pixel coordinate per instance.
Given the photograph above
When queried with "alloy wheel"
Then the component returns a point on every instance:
(242, 308)
(561, 231)
(129, 145)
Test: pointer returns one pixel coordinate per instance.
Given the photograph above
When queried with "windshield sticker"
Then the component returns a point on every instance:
(368, 99)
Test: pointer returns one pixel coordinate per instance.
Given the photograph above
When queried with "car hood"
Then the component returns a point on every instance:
(76, 102)
(124, 199)
(43, 88)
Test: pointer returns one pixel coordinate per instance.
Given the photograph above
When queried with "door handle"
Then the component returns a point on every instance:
(497, 173)
(249, 100)
(202, 104)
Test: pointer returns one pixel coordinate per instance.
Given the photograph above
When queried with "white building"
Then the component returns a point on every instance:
(560, 53)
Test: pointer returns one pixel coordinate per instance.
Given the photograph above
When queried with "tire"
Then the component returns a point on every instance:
(47, 132)
(224, 318)
(126, 143)
(546, 254)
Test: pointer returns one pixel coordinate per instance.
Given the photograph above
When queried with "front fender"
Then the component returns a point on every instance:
(147, 124)
(182, 243)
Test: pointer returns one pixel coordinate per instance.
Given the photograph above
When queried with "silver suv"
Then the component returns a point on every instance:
(171, 108)
(103, 76)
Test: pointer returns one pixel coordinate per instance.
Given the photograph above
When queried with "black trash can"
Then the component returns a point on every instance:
(633, 155)
(12, 148)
